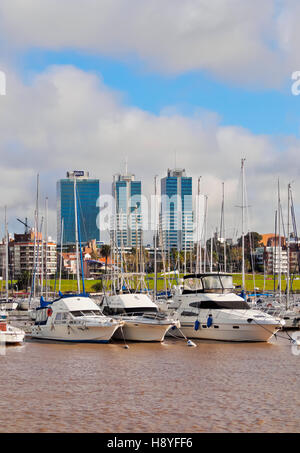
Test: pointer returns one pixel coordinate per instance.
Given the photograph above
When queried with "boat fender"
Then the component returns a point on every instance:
(49, 312)
(173, 327)
(209, 320)
(197, 325)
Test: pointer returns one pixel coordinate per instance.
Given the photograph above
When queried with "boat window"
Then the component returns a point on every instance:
(109, 311)
(134, 310)
(86, 313)
(227, 281)
(193, 284)
(188, 313)
(217, 305)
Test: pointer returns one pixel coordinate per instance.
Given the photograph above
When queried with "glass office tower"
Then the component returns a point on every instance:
(88, 191)
(176, 213)
(127, 222)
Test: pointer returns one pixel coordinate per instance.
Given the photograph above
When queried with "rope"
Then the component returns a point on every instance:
(125, 344)
(290, 339)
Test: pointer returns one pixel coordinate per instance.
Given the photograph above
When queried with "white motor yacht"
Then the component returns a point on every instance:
(8, 333)
(73, 318)
(142, 320)
(208, 309)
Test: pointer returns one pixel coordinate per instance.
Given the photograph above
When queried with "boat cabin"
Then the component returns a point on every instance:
(67, 309)
(128, 304)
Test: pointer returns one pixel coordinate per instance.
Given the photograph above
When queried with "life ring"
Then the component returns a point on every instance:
(49, 312)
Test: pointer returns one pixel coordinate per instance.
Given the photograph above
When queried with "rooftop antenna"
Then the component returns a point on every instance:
(126, 165)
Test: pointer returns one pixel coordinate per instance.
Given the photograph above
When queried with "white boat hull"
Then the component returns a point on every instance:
(226, 332)
(139, 331)
(12, 336)
(79, 334)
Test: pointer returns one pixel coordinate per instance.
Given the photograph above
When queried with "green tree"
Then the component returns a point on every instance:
(23, 281)
(98, 286)
(105, 253)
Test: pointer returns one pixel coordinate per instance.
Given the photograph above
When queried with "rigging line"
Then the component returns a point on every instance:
(290, 339)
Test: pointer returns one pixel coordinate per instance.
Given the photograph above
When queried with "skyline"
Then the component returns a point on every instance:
(212, 91)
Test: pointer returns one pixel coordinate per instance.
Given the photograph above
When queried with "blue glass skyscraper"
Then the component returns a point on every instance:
(88, 191)
(176, 214)
(128, 219)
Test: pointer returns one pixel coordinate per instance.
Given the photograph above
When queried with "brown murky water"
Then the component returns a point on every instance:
(215, 387)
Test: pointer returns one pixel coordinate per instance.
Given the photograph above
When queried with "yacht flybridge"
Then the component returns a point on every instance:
(209, 309)
(142, 320)
(74, 318)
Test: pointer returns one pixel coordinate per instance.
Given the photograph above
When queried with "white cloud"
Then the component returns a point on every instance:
(68, 119)
(249, 42)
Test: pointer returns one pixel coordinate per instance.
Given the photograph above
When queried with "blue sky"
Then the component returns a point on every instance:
(263, 111)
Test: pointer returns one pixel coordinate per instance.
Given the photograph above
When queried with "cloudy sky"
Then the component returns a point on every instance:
(93, 82)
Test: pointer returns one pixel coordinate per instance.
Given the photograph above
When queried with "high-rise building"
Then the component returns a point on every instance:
(30, 253)
(176, 213)
(88, 192)
(127, 222)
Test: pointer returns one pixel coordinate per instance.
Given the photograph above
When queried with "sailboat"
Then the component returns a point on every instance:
(74, 317)
(8, 333)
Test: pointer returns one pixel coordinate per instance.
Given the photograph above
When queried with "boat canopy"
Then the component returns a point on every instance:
(210, 282)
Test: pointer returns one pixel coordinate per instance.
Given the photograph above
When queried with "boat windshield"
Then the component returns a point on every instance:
(217, 282)
(193, 284)
(86, 313)
(209, 283)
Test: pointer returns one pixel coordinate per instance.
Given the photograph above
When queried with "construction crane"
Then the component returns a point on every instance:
(27, 227)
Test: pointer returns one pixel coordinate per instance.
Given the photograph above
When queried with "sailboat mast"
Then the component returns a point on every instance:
(223, 223)
(76, 237)
(155, 239)
(279, 243)
(6, 256)
(243, 232)
(205, 232)
(46, 245)
(61, 253)
(288, 252)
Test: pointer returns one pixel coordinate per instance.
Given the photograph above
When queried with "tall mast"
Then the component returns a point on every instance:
(6, 256)
(76, 237)
(205, 231)
(223, 222)
(279, 242)
(155, 239)
(42, 258)
(46, 245)
(61, 252)
(288, 252)
(211, 251)
(198, 255)
(275, 255)
(185, 244)
(243, 232)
